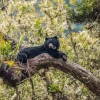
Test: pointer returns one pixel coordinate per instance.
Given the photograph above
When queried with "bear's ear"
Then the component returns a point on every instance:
(56, 37)
(46, 38)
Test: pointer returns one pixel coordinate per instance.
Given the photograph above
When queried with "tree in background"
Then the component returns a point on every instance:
(85, 11)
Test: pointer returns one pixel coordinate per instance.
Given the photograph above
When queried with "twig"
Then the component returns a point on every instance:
(14, 97)
(17, 92)
(31, 82)
(4, 6)
(73, 43)
(45, 78)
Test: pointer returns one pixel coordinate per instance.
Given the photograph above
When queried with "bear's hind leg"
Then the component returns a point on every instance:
(22, 57)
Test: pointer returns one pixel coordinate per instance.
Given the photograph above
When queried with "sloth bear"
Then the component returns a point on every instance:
(50, 46)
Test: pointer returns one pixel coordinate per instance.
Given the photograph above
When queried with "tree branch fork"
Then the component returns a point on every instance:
(14, 75)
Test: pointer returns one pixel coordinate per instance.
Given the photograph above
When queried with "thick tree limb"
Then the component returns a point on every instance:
(14, 77)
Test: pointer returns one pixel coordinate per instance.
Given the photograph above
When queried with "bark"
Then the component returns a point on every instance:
(14, 75)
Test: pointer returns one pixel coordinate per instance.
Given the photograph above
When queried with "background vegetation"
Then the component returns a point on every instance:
(30, 21)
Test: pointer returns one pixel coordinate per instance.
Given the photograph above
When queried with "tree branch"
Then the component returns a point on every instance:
(13, 42)
(14, 76)
(72, 42)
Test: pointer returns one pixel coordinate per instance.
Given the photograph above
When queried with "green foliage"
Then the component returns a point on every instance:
(53, 88)
(84, 10)
(5, 49)
(38, 26)
(14, 52)
(88, 51)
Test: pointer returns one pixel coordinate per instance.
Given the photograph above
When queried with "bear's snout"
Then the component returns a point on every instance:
(52, 46)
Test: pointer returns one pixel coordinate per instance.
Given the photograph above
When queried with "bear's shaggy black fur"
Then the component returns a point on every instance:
(50, 46)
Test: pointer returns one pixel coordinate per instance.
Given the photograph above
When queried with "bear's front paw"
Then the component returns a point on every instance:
(63, 56)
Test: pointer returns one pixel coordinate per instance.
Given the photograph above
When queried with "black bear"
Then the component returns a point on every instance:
(50, 46)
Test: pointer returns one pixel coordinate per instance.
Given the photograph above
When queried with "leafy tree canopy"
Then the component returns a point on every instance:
(85, 10)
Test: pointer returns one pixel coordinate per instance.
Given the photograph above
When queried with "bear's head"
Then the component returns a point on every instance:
(52, 43)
